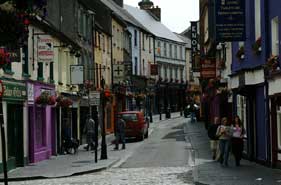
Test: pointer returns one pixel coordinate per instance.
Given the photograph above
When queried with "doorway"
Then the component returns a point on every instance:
(15, 134)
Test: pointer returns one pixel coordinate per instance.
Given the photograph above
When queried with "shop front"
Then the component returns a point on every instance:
(41, 117)
(14, 111)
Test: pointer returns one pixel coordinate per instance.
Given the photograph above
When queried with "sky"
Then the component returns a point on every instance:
(176, 14)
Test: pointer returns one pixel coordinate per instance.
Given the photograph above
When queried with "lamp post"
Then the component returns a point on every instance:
(104, 95)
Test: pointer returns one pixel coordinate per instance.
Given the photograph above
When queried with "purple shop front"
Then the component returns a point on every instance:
(42, 134)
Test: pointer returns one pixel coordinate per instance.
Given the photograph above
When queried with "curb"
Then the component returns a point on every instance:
(16, 179)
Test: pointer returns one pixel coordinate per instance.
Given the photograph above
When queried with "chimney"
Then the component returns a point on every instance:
(119, 3)
(145, 4)
(156, 11)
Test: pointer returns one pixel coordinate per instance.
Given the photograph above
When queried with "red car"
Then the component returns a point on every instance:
(136, 124)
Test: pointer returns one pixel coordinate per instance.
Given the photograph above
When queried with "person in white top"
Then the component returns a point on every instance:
(237, 139)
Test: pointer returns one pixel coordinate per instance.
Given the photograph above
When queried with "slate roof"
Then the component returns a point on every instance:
(155, 27)
(185, 39)
(121, 12)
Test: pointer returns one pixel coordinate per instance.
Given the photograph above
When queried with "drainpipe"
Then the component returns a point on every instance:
(267, 108)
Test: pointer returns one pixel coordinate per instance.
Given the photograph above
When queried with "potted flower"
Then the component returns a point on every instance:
(241, 53)
(63, 102)
(45, 99)
(272, 63)
(257, 46)
(4, 58)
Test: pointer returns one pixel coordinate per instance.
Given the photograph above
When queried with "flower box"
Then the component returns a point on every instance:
(256, 47)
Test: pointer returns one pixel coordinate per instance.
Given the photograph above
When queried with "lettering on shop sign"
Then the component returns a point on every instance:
(194, 45)
(230, 20)
(13, 91)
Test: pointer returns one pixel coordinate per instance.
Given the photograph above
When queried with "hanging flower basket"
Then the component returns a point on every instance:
(272, 63)
(241, 53)
(4, 58)
(45, 99)
(257, 46)
(64, 102)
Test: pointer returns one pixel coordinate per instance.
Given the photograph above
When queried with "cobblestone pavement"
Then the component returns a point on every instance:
(124, 176)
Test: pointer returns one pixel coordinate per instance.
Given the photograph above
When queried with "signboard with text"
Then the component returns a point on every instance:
(45, 49)
(230, 20)
(153, 69)
(194, 45)
(77, 74)
(94, 97)
(208, 68)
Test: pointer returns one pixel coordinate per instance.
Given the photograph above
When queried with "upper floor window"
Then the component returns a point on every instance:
(159, 48)
(257, 18)
(143, 43)
(136, 38)
(181, 57)
(274, 36)
(176, 52)
(171, 51)
(165, 49)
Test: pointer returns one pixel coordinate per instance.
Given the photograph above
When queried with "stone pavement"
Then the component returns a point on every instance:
(208, 172)
(77, 164)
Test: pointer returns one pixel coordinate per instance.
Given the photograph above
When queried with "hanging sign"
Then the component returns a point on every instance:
(77, 74)
(194, 45)
(208, 68)
(230, 20)
(45, 49)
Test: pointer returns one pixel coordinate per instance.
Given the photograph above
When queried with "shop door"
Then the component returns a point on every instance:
(15, 134)
(74, 123)
(279, 135)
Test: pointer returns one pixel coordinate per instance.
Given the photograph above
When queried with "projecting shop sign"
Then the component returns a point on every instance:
(77, 74)
(45, 49)
(194, 45)
(230, 20)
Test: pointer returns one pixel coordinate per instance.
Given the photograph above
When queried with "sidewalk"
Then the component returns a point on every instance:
(156, 118)
(208, 172)
(64, 165)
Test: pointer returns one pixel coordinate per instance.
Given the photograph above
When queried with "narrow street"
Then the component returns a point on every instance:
(161, 159)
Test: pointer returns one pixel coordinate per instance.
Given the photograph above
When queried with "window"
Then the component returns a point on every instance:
(181, 71)
(143, 67)
(165, 49)
(79, 17)
(176, 73)
(40, 71)
(165, 72)
(149, 44)
(181, 57)
(257, 18)
(159, 48)
(176, 52)
(274, 36)
(171, 51)
(143, 46)
(51, 71)
(136, 66)
(136, 38)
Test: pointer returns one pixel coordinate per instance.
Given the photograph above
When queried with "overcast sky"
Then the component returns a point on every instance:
(176, 14)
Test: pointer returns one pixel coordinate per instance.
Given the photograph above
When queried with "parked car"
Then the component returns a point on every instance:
(136, 124)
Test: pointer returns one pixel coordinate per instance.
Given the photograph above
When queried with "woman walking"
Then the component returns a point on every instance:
(237, 140)
(212, 131)
(224, 134)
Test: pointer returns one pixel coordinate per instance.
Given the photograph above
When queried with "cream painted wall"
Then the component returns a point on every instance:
(147, 54)
(117, 31)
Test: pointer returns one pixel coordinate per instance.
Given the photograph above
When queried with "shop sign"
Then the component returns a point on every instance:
(128, 68)
(77, 74)
(208, 68)
(30, 92)
(45, 49)
(14, 91)
(94, 98)
(194, 44)
(230, 20)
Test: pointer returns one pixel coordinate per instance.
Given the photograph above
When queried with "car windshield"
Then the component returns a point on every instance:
(130, 117)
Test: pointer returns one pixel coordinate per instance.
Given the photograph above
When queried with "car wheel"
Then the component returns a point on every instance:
(141, 137)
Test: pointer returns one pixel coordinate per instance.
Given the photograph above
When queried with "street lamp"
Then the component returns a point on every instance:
(104, 94)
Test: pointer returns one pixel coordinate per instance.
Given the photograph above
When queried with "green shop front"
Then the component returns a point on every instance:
(14, 99)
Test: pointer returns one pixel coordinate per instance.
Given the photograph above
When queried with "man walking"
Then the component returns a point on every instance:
(120, 133)
(89, 129)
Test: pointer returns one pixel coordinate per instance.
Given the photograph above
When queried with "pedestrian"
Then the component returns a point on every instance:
(237, 140)
(89, 129)
(192, 111)
(212, 133)
(120, 133)
(224, 134)
(66, 136)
